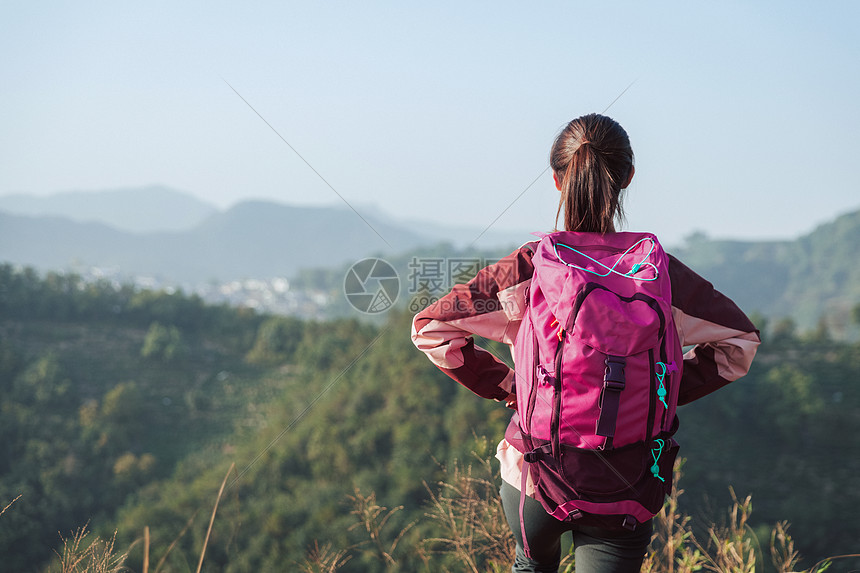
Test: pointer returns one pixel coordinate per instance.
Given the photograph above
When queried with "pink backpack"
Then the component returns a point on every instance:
(598, 365)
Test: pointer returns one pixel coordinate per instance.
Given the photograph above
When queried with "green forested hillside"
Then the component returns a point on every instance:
(816, 276)
(125, 409)
(104, 390)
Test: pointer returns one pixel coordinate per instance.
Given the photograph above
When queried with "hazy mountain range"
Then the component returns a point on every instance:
(165, 233)
(154, 208)
(159, 232)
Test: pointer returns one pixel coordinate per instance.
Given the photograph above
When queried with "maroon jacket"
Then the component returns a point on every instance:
(723, 339)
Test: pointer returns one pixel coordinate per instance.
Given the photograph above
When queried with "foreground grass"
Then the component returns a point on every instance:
(473, 536)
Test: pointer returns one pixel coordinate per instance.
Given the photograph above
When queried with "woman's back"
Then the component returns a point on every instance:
(597, 360)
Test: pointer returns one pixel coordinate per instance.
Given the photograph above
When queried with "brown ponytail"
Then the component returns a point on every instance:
(592, 159)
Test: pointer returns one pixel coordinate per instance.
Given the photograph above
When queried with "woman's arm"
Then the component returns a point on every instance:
(725, 340)
(490, 305)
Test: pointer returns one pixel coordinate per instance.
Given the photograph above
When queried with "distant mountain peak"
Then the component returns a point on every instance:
(146, 209)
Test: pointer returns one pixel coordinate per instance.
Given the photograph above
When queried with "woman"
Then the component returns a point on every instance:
(592, 164)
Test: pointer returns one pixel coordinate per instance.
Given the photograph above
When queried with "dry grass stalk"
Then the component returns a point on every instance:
(470, 514)
(733, 545)
(825, 564)
(96, 556)
(324, 559)
(10, 503)
(730, 549)
(368, 513)
(674, 549)
(146, 549)
(174, 542)
(212, 519)
(782, 551)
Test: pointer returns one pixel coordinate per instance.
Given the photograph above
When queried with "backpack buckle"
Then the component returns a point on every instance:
(630, 523)
(613, 379)
(613, 385)
(538, 454)
(544, 376)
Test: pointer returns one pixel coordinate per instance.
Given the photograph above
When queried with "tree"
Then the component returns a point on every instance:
(277, 341)
(784, 330)
(163, 343)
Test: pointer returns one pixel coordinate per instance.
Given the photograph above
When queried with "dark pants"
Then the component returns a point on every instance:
(596, 550)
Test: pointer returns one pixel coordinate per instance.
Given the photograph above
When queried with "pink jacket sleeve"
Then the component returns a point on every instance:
(490, 305)
(723, 338)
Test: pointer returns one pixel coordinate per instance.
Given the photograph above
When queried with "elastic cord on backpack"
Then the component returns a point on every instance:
(609, 270)
(661, 391)
(656, 453)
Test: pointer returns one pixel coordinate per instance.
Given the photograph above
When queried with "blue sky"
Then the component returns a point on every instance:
(743, 116)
